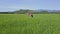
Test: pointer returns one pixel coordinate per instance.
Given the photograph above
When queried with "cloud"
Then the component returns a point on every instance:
(12, 8)
(9, 8)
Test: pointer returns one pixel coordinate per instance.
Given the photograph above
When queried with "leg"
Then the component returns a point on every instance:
(32, 16)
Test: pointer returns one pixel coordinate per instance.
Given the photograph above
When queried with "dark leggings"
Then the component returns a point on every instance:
(31, 15)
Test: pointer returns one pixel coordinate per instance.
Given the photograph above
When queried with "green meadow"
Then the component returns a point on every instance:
(23, 24)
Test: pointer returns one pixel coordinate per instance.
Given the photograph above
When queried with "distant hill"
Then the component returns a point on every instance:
(48, 10)
(22, 11)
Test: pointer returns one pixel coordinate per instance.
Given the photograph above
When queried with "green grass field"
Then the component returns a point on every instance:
(23, 24)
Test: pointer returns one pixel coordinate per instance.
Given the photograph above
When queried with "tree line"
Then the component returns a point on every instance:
(22, 11)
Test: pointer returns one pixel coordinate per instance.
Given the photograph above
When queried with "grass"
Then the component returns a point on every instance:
(23, 24)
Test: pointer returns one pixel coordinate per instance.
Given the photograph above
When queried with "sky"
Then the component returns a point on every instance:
(12, 5)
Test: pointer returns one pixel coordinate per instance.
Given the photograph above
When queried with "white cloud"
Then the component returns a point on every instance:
(12, 8)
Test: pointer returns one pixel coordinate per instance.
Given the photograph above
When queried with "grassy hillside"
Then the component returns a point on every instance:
(23, 24)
